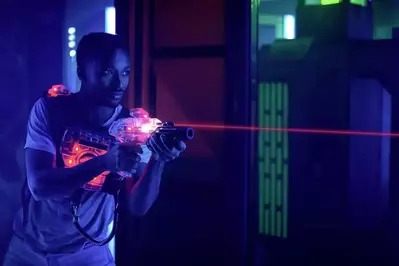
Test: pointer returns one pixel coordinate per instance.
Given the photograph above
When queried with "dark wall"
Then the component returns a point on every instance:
(186, 85)
(14, 106)
(179, 83)
(31, 49)
(182, 78)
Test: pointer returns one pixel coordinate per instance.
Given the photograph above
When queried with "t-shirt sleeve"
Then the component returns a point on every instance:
(38, 135)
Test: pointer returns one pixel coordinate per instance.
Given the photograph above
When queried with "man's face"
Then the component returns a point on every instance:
(106, 82)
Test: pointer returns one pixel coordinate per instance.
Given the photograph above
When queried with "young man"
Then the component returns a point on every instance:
(44, 233)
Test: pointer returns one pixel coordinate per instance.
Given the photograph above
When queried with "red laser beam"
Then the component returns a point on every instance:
(132, 188)
(292, 130)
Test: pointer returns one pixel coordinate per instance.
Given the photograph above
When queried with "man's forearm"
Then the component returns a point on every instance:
(142, 197)
(60, 182)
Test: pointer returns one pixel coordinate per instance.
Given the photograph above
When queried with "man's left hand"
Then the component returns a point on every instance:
(161, 151)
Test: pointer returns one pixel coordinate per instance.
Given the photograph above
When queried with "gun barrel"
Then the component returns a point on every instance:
(178, 133)
(187, 133)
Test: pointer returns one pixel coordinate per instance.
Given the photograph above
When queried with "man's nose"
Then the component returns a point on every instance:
(123, 81)
(116, 81)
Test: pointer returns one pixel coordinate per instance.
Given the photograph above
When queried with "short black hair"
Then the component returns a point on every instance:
(98, 46)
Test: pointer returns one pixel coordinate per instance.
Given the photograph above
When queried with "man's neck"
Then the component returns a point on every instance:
(96, 114)
(99, 115)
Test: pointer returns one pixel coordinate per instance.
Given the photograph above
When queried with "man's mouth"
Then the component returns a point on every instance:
(117, 95)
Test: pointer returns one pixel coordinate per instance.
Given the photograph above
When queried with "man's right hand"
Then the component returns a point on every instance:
(122, 158)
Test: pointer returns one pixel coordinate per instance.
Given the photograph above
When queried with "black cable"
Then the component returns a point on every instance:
(74, 210)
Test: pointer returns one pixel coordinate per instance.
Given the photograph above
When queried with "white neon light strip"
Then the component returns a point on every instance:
(289, 27)
(110, 20)
(110, 27)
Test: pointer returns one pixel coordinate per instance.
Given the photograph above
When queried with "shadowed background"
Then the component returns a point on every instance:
(191, 62)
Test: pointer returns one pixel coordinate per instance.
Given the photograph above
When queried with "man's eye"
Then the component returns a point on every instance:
(107, 72)
(126, 73)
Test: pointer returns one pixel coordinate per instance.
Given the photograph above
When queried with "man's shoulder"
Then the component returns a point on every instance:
(62, 105)
(55, 110)
(39, 107)
(58, 100)
(42, 110)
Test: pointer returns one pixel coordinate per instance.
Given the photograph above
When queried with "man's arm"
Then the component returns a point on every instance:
(150, 171)
(44, 180)
(144, 195)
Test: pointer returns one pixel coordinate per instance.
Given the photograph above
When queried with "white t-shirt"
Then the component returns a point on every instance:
(50, 228)
(38, 135)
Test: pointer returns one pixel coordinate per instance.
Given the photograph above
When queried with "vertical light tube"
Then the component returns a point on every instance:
(110, 20)
(289, 27)
(110, 27)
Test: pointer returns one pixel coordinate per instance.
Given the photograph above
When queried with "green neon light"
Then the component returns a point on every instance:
(254, 21)
(255, 4)
(334, 2)
(330, 2)
(273, 160)
(312, 2)
(359, 2)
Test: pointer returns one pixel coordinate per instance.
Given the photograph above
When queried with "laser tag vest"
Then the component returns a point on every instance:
(47, 224)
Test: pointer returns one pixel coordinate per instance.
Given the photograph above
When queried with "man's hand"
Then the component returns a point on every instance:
(122, 158)
(161, 152)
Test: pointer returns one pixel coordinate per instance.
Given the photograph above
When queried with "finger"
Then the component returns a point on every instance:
(113, 146)
(136, 150)
(174, 152)
(137, 158)
(131, 148)
(181, 146)
(162, 140)
(132, 156)
(130, 153)
(171, 153)
(132, 166)
(127, 164)
(133, 171)
(160, 148)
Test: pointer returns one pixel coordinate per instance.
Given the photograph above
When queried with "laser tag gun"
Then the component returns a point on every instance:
(79, 146)
(139, 127)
